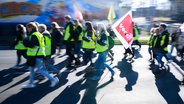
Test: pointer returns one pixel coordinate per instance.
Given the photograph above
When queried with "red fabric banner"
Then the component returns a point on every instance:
(123, 29)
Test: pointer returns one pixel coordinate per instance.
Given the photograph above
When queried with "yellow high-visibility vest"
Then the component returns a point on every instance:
(47, 45)
(162, 42)
(136, 34)
(67, 34)
(81, 34)
(88, 45)
(100, 48)
(20, 46)
(37, 50)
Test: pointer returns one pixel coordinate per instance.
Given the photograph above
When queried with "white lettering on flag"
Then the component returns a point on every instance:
(123, 29)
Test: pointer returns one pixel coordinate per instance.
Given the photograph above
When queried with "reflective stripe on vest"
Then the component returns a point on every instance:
(67, 33)
(20, 46)
(136, 34)
(150, 41)
(88, 45)
(155, 41)
(81, 34)
(37, 50)
(47, 45)
(100, 48)
(162, 42)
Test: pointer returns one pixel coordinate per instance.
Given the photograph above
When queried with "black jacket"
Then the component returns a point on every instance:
(72, 33)
(160, 48)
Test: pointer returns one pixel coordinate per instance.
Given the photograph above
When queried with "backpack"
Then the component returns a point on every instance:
(111, 42)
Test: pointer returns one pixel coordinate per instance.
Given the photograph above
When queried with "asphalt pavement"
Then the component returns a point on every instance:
(134, 82)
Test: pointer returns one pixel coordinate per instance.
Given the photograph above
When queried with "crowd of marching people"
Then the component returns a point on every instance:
(35, 43)
(159, 41)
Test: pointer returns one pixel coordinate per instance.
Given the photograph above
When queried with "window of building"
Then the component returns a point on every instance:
(24, 8)
(3, 9)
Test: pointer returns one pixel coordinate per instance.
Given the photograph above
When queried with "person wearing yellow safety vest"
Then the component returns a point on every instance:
(150, 42)
(78, 31)
(102, 46)
(161, 45)
(88, 43)
(18, 44)
(48, 61)
(35, 55)
(69, 41)
(136, 36)
(153, 43)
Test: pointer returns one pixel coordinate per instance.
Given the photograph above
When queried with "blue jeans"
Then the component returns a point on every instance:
(100, 63)
(78, 49)
(41, 70)
(87, 56)
(159, 58)
(49, 64)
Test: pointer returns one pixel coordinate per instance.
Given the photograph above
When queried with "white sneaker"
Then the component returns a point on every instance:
(29, 86)
(95, 78)
(54, 82)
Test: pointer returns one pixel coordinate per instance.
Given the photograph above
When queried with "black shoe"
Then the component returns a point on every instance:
(77, 62)
(150, 59)
(112, 59)
(92, 64)
(112, 54)
(153, 62)
(69, 65)
(182, 82)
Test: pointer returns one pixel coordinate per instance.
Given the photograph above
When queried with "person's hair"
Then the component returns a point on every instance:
(68, 17)
(43, 26)
(155, 25)
(89, 26)
(76, 21)
(163, 25)
(32, 25)
(55, 25)
(102, 28)
(21, 28)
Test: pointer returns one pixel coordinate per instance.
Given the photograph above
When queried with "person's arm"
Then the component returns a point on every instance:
(31, 43)
(103, 40)
(16, 41)
(79, 30)
(88, 38)
(72, 35)
(166, 40)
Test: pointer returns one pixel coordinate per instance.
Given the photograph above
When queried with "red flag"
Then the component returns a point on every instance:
(124, 30)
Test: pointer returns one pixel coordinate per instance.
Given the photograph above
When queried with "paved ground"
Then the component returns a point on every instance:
(134, 83)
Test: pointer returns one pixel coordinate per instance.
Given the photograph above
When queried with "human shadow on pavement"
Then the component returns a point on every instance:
(61, 64)
(137, 53)
(71, 94)
(126, 71)
(91, 91)
(7, 75)
(168, 86)
(32, 95)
